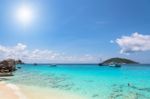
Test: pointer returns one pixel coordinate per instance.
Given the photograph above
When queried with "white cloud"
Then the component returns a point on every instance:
(134, 43)
(20, 51)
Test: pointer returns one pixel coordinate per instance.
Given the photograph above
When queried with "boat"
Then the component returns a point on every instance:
(118, 65)
(101, 64)
(35, 64)
(114, 65)
(53, 65)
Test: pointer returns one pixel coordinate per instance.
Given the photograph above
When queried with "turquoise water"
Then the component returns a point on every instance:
(92, 81)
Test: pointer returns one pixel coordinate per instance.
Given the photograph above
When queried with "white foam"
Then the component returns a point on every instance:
(16, 90)
(12, 86)
(2, 82)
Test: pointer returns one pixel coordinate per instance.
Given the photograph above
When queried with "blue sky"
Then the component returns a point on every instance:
(77, 27)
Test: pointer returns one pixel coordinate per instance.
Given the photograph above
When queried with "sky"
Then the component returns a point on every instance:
(86, 31)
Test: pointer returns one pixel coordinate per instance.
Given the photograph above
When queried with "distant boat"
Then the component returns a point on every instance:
(101, 64)
(114, 65)
(110, 65)
(53, 65)
(35, 64)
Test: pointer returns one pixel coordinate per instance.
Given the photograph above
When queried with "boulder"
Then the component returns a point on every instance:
(9, 65)
(19, 62)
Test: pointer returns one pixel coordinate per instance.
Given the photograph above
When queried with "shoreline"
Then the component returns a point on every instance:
(11, 91)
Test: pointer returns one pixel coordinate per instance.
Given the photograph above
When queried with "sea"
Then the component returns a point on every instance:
(87, 80)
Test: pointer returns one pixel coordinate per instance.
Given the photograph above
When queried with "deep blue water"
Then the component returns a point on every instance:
(92, 81)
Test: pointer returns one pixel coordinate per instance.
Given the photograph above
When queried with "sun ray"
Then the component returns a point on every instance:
(24, 15)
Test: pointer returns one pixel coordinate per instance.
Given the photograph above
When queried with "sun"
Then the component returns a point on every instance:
(24, 14)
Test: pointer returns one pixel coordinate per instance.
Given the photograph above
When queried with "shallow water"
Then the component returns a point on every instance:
(92, 81)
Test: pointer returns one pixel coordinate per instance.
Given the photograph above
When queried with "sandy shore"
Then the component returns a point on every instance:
(10, 91)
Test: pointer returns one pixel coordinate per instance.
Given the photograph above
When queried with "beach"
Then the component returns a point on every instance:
(11, 91)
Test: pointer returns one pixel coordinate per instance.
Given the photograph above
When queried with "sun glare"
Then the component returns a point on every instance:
(24, 15)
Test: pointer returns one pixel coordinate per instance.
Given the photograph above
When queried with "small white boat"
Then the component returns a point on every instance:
(114, 65)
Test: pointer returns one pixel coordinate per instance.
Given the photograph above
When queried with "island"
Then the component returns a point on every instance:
(117, 61)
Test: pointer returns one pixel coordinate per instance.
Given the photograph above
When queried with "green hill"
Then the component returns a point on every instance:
(119, 61)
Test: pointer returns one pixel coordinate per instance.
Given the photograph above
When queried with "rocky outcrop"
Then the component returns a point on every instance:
(9, 65)
(19, 62)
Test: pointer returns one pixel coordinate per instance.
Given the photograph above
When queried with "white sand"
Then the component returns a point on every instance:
(10, 91)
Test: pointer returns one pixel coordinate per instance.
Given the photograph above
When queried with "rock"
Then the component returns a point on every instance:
(8, 66)
(19, 62)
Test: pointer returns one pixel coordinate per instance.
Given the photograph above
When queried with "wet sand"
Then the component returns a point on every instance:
(45, 93)
(10, 91)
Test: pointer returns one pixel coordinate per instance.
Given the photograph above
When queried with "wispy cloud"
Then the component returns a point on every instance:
(134, 43)
(21, 51)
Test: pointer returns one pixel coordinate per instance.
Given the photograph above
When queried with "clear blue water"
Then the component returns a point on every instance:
(92, 81)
